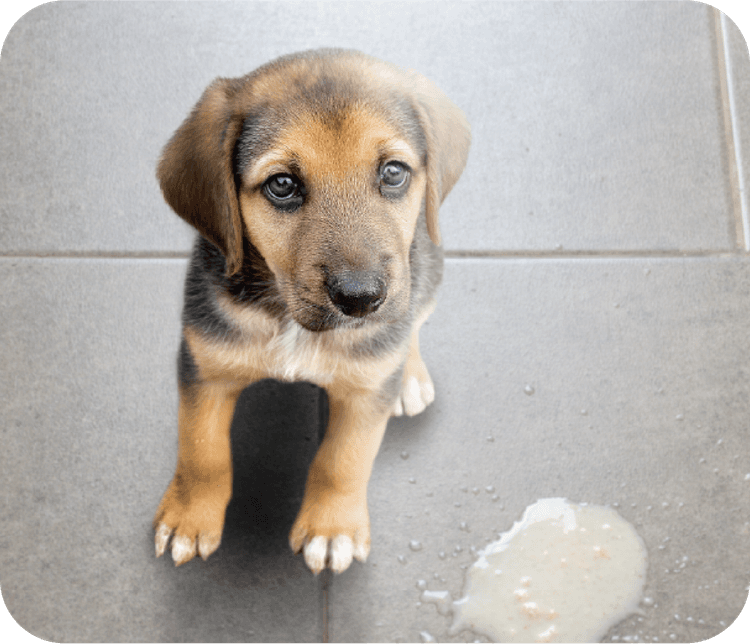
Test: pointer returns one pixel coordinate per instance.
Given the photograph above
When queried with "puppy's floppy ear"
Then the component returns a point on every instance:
(448, 138)
(196, 172)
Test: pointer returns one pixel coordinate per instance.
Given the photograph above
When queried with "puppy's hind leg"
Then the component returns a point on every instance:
(417, 390)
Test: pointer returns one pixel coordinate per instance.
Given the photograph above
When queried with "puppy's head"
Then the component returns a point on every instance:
(324, 160)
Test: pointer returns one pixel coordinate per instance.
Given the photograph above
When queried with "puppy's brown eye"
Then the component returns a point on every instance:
(284, 191)
(394, 175)
(281, 186)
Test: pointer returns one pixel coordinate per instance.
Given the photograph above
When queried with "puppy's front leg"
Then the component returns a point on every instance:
(192, 509)
(333, 524)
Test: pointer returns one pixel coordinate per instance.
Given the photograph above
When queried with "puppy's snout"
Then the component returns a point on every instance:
(356, 293)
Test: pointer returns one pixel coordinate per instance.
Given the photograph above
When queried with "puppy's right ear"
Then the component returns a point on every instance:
(196, 174)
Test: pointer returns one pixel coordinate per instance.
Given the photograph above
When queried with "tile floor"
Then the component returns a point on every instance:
(598, 251)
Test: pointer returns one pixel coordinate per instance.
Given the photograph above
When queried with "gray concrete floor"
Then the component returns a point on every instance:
(598, 250)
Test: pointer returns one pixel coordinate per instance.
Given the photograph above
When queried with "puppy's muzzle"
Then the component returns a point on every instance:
(356, 293)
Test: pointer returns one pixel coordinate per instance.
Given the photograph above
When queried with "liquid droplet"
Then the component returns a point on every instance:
(441, 599)
(529, 390)
(404, 455)
(401, 559)
(414, 545)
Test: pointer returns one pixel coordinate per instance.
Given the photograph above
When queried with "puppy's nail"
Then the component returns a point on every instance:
(296, 540)
(163, 532)
(183, 550)
(361, 547)
(428, 392)
(207, 544)
(341, 553)
(316, 551)
(413, 397)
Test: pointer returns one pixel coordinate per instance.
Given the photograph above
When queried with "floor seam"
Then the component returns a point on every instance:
(734, 143)
(450, 254)
(326, 584)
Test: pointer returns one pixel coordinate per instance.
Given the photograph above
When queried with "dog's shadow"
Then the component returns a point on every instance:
(275, 433)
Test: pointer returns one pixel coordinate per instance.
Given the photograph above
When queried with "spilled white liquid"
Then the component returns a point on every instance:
(563, 573)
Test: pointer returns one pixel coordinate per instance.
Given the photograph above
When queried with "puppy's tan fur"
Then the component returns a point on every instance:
(330, 285)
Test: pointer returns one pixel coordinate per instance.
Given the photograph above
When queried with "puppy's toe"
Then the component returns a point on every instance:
(161, 540)
(342, 551)
(316, 553)
(208, 542)
(412, 397)
(361, 545)
(183, 549)
(398, 407)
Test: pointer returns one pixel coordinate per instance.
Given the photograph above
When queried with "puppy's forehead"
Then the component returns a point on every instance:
(352, 104)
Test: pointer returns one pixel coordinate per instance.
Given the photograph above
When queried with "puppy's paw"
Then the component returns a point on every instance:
(192, 521)
(331, 533)
(417, 390)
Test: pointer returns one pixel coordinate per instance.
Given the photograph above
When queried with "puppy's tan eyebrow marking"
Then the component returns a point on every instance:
(283, 159)
(399, 150)
(276, 161)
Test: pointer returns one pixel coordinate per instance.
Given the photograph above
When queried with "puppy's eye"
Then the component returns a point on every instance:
(281, 186)
(284, 191)
(394, 175)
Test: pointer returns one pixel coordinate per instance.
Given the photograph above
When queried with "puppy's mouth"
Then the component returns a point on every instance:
(347, 299)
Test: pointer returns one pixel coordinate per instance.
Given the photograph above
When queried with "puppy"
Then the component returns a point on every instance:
(314, 183)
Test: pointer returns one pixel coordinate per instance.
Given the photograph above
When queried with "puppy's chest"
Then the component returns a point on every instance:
(294, 354)
(290, 353)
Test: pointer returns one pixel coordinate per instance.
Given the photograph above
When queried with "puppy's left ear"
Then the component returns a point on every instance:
(448, 139)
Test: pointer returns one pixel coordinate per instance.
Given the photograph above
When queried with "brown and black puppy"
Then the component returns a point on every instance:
(314, 183)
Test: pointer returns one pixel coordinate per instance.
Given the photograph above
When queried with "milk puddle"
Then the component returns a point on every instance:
(563, 573)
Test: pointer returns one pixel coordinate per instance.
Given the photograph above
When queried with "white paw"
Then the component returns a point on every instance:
(414, 396)
(336, 554)
(185, 548)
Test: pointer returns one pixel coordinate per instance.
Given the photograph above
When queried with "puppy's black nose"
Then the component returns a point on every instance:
(356, 293)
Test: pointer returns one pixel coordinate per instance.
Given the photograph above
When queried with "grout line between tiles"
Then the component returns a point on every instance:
(593, 254)
(326, 584)
(95, 255)
(449, 254)
(734, 142)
